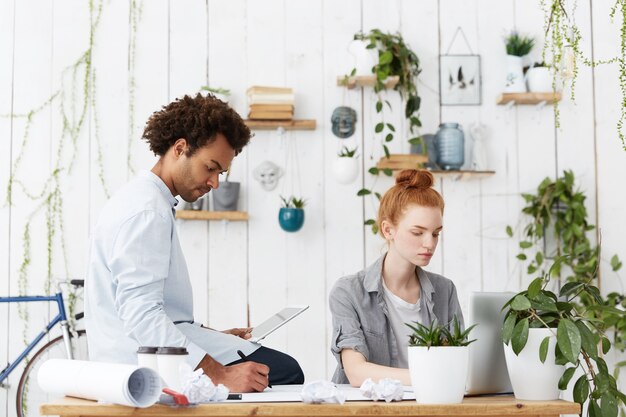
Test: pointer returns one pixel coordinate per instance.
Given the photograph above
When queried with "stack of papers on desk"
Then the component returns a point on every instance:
(291, 393)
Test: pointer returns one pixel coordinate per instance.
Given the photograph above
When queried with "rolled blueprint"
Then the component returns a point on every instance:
(110, 382)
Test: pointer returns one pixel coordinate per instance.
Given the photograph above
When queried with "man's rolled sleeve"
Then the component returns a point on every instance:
(347, 331)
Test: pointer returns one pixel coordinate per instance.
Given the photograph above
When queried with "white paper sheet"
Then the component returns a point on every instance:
(291, 393)
(111, 382)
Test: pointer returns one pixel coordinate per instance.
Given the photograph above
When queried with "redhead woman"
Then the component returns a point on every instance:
(370, 308)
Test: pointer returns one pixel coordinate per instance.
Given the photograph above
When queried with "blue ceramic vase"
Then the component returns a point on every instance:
(450, 146)
(291, 219)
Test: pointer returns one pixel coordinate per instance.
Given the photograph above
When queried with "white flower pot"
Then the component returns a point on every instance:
(438, 374)
(363, 59)
(539, 80)
(346, 169)
(514, 81)
(531, 379)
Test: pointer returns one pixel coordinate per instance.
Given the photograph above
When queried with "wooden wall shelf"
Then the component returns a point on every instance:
(365, 81)
(211, 215)
(402, 161)
(528, 98)
(462, 175)
(303, 124)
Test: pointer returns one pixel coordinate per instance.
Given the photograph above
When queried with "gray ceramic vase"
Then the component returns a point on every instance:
(226, 196)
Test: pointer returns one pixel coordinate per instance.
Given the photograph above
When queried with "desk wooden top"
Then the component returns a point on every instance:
(471, 406)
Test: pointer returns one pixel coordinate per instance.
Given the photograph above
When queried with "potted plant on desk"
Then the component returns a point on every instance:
(438, 362)
(548, 338)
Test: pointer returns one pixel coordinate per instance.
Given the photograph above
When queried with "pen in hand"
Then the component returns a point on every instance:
(244, 358)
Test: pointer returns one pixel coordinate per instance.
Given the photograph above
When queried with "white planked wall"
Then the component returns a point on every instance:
(242, 272)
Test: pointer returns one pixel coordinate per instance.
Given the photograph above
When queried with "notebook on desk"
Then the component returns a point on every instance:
(487, 372)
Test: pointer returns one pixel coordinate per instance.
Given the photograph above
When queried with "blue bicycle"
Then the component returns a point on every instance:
(72, 344)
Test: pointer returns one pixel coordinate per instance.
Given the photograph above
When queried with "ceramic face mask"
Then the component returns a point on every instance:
(344, 122)
(268, 173)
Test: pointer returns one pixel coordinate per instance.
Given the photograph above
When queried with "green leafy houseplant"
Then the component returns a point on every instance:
(518, 45)
(216, 90)
(439, 334)
(395, 58)
(578, 338)
(556, 212)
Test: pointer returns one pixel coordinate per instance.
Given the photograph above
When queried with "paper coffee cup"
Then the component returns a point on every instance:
(169, 360)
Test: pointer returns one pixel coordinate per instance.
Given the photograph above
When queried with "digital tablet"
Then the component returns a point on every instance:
(268, 326)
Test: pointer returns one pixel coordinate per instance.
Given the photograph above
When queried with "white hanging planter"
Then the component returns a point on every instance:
(346, 169)
(363, 59)
(531, 379)
(514, 75)
(438, 374)
(539, 80)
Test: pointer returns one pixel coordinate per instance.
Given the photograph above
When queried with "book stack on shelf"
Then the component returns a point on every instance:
(270, 103)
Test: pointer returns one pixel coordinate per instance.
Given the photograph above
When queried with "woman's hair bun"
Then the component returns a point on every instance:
(414, 178)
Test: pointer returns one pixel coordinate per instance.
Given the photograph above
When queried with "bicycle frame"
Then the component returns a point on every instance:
(59, 318)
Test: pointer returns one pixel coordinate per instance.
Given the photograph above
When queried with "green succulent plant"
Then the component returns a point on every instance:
(347, 153)
(293, 202)
(439, 334)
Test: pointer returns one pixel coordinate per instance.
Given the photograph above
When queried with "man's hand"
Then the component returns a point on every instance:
(243, 377)
(243, 332)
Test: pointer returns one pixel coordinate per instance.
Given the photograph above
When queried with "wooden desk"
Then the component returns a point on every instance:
(474, 406)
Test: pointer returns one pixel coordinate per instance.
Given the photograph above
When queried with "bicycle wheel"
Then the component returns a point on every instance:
(29, 395)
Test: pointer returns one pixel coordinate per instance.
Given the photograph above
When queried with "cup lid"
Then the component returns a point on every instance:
(171, 350)
(147, 349)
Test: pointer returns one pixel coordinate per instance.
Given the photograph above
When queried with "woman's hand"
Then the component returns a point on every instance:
(243, 332)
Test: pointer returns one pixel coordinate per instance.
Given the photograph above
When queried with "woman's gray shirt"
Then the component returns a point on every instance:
(360, 315)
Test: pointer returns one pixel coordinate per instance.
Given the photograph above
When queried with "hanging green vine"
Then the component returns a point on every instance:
(136, 8)
(562, 41)
(49, 198)
(395, 58)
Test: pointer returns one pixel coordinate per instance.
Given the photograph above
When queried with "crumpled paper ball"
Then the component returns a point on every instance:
(321, 391)
(387, 389)
(198, 387)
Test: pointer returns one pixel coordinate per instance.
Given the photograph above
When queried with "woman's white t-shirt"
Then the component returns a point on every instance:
(401, 312)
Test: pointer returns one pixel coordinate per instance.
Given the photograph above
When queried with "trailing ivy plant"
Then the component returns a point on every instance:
(395, 58)
(48, 198)
(556, 212)
(580, 340)
(562, 41)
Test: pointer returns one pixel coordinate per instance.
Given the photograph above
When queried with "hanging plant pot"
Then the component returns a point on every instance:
(345, 169)
(291, 219)
(226, 197)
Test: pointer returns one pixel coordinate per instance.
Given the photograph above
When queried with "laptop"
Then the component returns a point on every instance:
(487, 367)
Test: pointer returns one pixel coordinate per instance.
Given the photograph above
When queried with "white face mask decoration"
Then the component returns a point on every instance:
(268, 174)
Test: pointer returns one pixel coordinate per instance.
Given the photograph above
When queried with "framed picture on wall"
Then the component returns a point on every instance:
(460, 81)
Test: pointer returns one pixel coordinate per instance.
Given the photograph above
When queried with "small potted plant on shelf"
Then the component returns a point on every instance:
(226, 196)
(346, 165)
(547, 339)
(517, 46)
(539, 78)
(291, 214)
(438, 362)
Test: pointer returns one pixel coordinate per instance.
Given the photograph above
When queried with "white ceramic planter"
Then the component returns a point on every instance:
(438, 374)
(539, 80)
(531, 379)
(345, 169)
(363, 59)
(514, 75)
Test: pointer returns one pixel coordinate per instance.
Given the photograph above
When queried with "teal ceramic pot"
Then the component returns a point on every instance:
(291, 219)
